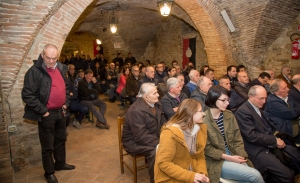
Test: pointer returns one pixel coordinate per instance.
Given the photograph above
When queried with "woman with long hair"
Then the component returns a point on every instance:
(224, 151)
(122, 83)
(180, 153)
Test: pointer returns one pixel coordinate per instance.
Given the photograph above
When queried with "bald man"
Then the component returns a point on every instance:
(46, 95)
(294, 92)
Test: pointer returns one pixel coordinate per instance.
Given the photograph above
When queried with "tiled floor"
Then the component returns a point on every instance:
(95, 153)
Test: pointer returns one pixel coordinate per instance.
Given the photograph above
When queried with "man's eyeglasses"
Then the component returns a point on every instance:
(225, 100)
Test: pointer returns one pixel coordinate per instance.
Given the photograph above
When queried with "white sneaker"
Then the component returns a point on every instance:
(76, 124)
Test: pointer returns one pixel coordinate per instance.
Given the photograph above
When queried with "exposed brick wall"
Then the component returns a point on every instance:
(280, 52)
(26, 26)
(6, 170)
(167, 43)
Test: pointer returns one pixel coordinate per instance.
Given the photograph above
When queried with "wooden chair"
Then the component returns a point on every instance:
(134, 168)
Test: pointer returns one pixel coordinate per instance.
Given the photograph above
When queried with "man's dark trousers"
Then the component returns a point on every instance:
(52, 133)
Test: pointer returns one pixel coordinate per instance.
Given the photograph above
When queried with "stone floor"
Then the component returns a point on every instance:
(95, 153)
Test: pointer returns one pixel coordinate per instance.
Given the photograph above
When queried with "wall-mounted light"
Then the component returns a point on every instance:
(165, 7)
(98, 41)
(113, 24)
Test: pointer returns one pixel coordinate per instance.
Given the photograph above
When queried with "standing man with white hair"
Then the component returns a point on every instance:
(194, 77)
(173, 98)
(143, 121)
(46, 94)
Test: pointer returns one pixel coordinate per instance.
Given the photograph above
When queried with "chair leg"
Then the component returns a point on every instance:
(134, 169)
(121, 161)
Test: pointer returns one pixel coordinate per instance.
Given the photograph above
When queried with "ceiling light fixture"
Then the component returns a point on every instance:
(113, 24)
(165, 7)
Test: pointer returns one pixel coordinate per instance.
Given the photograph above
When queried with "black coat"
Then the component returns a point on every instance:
(294, 94)
(257, 134)
(141, 129)
(281, 114)
(169, 103)
(85, 93)
(145, 79)
(36, 89)
(241, 90)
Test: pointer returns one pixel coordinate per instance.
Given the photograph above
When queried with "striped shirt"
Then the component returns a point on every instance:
(220, 124)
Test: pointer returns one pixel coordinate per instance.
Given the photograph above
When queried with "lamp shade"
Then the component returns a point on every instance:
(165, 7)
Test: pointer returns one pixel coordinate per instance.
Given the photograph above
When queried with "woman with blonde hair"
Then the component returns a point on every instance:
(180, 153)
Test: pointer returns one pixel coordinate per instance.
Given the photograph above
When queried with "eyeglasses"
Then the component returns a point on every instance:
(225, 100)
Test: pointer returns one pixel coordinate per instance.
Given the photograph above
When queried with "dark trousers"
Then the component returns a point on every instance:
(92, 106)
(76, 106)
(132, 100)
(52, 133)
(278, 172)
(150, 156)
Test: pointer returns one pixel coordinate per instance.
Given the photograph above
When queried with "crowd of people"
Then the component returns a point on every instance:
(190, 126)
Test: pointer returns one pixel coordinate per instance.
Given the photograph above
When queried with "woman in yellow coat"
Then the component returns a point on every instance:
(180, 153)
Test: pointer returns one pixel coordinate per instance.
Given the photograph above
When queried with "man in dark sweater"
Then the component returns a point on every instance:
(149, 77)
(46, 94)
(132, 84)
(88, 90)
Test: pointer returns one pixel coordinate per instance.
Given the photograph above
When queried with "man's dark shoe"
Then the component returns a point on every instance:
(51, 178)
(65, 167)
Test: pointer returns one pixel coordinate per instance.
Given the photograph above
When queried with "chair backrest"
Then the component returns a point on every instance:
(121, 121)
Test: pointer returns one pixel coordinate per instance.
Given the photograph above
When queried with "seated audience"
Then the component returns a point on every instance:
(118, 61)
(89, 90)
(194, 77)
(294, 92)
(203, 85)
(111, 76)
(272, 76)
(210, 74)
(262, 80)
(160, 73)
(89, 63)
(75, 106)
(241, 68)
(131, 86)
(235, 100)
(121, 85)
(99, 74)
(203, 69)
(171, 73)
(282, 112)
(224, 151)
(284, 75)
(78, 62)
(180, 153)
(178, 69)
(71, 73)
(172, 98)
(174, 63)
(184, 89)
(231, 73)
(149, 77)
(141, 129)
(241, 86)
(259, 139)
(130, 59)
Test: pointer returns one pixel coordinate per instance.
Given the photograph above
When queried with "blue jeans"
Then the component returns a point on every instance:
(240, 172)
(76, 106)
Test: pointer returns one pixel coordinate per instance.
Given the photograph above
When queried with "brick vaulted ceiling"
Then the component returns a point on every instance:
(137, 21)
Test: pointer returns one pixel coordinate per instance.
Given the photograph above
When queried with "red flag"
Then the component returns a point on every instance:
(185, 59)
(95, 48)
